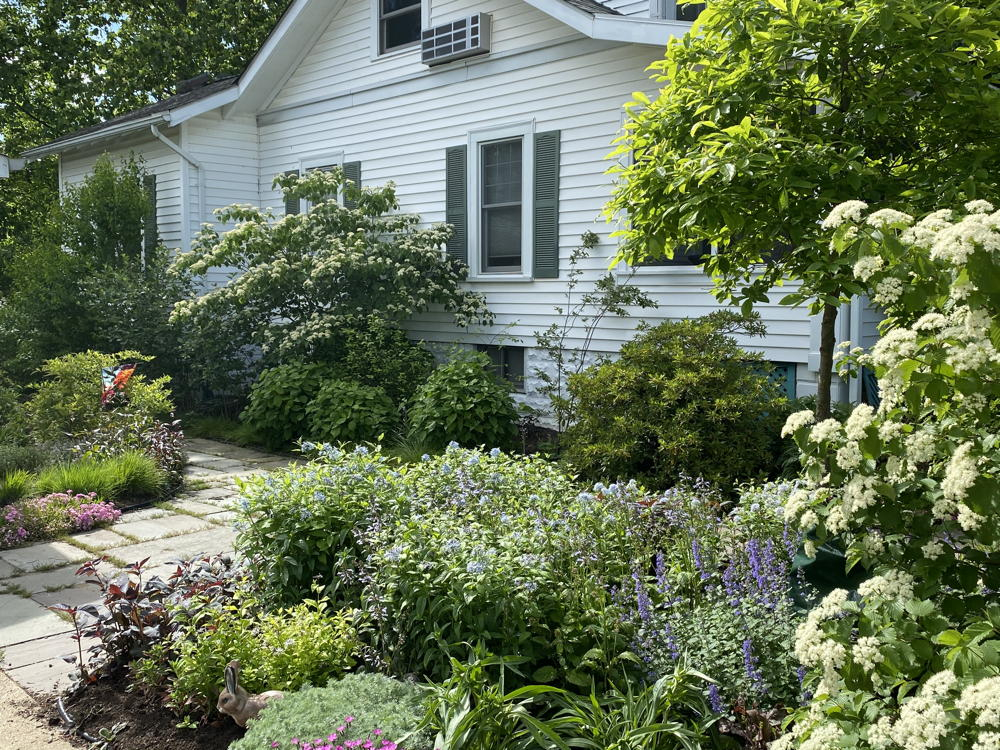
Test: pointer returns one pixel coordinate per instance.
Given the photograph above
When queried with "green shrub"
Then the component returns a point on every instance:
(682, 400)
(464, 547)
(279, 399)
(68, 401)
(281, 650)
(15, 485)
(379, 354)
(26, 457)
(133, 474)
(375, 701)
(463, 401)
(12, 421)
(343, 411)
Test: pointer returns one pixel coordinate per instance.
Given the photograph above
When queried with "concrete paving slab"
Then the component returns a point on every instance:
(200, 471)
(100, 538)
(60, 578)
(194, 507)
(74, 596)
(211, 541)
(42, 649)
(24, 620)
(222, 516)
(158, 528)
(143, 514)
(206, 495)
(7, 570)
(51, 677)
(43, 555)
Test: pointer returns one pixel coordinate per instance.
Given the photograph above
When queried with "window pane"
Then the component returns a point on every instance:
(689, 11)
(514, 366)
(388, 6)
(401, 30)
(502, 172)
(685, 255)
(502, 237)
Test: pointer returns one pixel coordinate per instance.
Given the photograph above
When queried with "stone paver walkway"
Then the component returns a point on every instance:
(198, 521)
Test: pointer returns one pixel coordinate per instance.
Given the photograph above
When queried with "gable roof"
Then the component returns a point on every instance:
(295, 33)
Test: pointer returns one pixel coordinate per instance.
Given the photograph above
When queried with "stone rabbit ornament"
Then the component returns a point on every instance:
(237, 702)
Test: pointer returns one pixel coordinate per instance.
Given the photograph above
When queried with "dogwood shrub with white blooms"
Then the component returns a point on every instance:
(912, 660)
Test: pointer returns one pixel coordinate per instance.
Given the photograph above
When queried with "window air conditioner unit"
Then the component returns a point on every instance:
(453, 41)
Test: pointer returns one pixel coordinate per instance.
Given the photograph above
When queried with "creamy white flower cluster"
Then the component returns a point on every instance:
(893, 584)
(796, 421)
(868, 266)
(867, 652)
(814, 649)
(982, 699)
(851, 211)
(923, 720)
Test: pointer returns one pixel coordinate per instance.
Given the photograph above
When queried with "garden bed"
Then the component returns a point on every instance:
(106, 703)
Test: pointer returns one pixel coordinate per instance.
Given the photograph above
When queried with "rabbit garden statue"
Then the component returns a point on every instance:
(237, 702)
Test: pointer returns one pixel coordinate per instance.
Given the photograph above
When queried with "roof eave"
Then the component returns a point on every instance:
(613, 28)
(40, 152)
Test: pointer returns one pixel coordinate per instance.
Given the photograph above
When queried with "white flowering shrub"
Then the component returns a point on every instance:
(913, 489)
(298, 283)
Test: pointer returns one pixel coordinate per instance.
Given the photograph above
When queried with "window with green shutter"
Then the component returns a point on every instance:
(352, 172)
(150, 232)
(545, 222)
(456, 202)
(292, 204)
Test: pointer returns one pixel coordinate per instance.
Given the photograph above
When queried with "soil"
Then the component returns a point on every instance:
(150, 725)
(23, 725)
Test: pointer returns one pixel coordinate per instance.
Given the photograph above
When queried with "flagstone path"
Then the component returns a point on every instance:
(33, 639)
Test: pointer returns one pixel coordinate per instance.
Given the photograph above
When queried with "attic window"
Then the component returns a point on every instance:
(398, 24)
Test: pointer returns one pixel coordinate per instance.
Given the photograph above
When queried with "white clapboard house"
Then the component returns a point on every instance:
(494, 115)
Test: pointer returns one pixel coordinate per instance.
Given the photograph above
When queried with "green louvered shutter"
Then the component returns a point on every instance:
(150, 237)
(456, 209)
(352, 171)
(292, 204)
(546, 212)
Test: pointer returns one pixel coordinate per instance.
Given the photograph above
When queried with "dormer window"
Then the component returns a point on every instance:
(398, 24)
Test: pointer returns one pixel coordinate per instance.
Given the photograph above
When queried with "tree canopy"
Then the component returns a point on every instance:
(67, 64)
(774, 111)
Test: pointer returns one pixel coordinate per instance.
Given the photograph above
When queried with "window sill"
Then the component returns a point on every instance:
(397, 53)
(504, 277)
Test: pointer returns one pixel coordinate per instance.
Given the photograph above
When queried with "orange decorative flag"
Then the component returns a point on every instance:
(113, 380)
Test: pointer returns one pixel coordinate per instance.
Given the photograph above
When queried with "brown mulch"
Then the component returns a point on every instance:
(151, 726)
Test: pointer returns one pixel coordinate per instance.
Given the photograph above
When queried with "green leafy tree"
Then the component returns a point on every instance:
(67, 64)
(300, 282)
(774, 112)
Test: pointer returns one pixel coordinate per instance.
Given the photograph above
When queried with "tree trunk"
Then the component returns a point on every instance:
(827, 340)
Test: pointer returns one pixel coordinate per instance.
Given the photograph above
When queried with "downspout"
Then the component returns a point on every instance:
(194, 163)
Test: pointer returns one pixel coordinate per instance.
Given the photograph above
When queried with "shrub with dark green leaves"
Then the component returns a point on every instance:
(379, 354)
(68, 400)
(26, 457)
(682, 400)
(345, 411)
(374, 700)
(279, 399)
(463, 401)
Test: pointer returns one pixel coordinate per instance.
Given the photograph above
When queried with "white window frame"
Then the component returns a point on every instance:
(526, 132)
(315, 161)
(373, 48)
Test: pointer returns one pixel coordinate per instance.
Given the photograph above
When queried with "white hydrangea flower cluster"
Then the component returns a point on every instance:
(979, 207)
(887, 217)
(983, 699)
(968, 519)
(931, 321)
(814, 649)
(933, 549)
(921, 725)
(867, 652)
(856, 426)
(859, 493)
(796, 421)
(852, 211)
(896, 345)
(880, 734)
(960, 474)
(867, 267)
(920, 446)
(827, 431)
(888, 291)
(956, 242)
(987, 741)
(849, 455)
(893, 584)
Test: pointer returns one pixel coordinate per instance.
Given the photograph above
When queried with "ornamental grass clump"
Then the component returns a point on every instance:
(53, 515)
(912, 488)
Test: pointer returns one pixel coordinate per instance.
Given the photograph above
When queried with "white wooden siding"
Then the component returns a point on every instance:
(228, 152)
(157, 160)
(341, 60)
